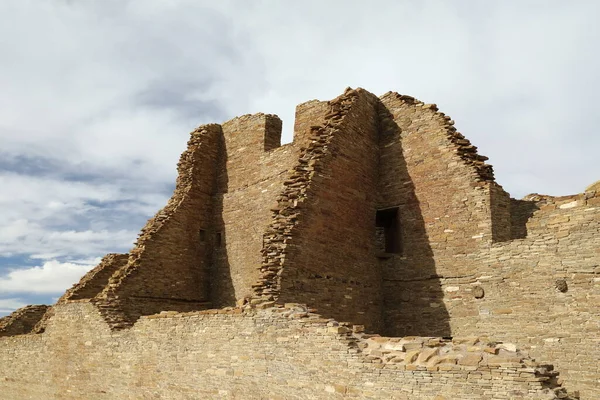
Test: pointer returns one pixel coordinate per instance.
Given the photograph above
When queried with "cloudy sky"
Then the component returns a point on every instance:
(97, 99)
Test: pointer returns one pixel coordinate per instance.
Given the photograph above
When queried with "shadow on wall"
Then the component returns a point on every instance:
(413, 296)
(222, 292)
(520, 212)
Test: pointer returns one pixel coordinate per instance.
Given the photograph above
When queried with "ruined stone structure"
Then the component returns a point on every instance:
(373, 257)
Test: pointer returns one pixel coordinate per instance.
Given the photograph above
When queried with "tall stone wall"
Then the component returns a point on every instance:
(473, 260)
(308, 114)
(511, 286)
(266, 226)
(254, 170)
(279, 353)
(449, 179)
(323, 229)
(168, 267)
(441, 188)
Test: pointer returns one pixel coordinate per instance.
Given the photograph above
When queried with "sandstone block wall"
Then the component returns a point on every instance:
(542, 291)
(254, 170)
(441, 188)
(262, 226)
(308, 114)
(280, 353)
(96, 280)
(168, 267)
(328, 208)
(474, 260)
(22, 321)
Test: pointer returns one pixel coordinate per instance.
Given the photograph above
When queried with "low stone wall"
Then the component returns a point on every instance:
(285, 352)
(22, 321)
(95, 280)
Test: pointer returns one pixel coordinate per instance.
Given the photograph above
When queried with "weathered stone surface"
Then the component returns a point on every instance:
(22, 321)
(94, 281)
(252, 354)
(379, 213)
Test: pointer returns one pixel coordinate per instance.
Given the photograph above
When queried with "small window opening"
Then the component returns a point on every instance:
(388, 231)
(202, 235)
(219, 239)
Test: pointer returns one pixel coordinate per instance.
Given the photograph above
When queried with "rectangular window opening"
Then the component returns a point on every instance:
(202, 235)
(218, 239)
(389, 238)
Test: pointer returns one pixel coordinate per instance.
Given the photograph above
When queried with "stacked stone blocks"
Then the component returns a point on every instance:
(265, 250)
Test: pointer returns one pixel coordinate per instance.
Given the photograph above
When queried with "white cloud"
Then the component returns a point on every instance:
(47, 215)
(100, 95)
(9, 305)
(123, 82)
(52, 277)
(519, 78)
(25, 237)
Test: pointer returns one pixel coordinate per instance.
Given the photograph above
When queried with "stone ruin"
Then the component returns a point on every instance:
(374, 257)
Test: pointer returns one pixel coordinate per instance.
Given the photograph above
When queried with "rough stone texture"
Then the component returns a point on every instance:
(169, 266)
(278, 353)
(594, 187)
(96, 280)
(319, 247)
(379, 213)
(22, 321)
(442, 189)
(253, 176)
(522, 302)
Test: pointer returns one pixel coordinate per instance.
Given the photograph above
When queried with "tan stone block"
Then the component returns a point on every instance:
(426, 354)
(411, 356)
(468, 340)
(340, 389)
(558, 219)
(595, 201)
(470, 359)
(338, 329)
(490, 350)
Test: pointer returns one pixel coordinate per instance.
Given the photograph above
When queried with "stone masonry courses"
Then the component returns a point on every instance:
(373, 257)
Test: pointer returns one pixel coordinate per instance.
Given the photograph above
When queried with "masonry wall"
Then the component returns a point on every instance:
(255, 167)
(168, 267)
(500, 213)
(283, 353)
(441, 187)
(329, 262)
(310, 113)
(542, 291)
(22, 321)
(473, 260)
(96, 280)
(252, 222)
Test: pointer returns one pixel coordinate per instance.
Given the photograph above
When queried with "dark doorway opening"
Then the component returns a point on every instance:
(389, 238)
